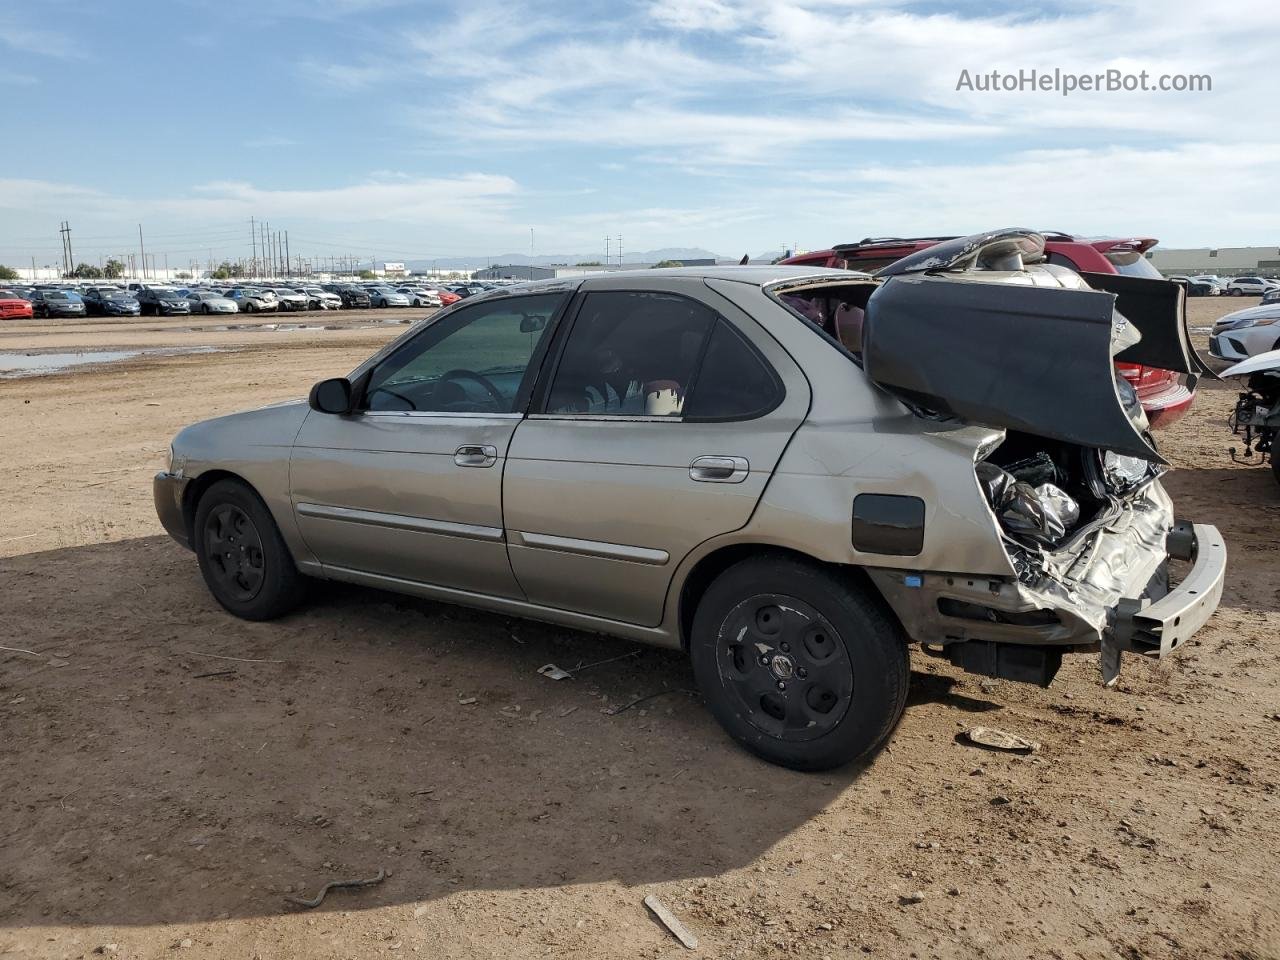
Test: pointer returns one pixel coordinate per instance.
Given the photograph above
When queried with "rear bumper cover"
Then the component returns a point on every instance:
(167, 489)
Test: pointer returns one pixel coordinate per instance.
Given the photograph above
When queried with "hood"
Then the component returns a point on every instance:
(272, 426)
(1268, 362)
(1260, 312)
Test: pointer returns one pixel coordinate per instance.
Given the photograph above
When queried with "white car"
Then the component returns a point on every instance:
(420, 297)
(1249, 286)
(1246, 333)
(291, 299)
(325, 299)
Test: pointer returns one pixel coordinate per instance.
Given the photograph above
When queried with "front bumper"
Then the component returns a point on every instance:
(1224, 347)
(167, 489)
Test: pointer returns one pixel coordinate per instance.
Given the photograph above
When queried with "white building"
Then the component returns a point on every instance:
(1223, 261)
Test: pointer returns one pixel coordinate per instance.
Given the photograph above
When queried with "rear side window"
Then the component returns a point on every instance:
(735, 382)
(631, 353)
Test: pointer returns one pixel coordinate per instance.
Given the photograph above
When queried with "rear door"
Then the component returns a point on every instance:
(410, 485)
(657, 427)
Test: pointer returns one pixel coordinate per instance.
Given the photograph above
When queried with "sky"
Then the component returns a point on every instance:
(394, 130)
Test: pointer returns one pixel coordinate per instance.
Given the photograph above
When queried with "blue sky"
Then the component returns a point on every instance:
(412, 130)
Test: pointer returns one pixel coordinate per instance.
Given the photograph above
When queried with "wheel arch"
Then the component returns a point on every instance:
(197, 488)
(707, 568)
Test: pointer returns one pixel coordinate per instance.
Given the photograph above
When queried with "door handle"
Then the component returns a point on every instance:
(476, 455)
(719, 469)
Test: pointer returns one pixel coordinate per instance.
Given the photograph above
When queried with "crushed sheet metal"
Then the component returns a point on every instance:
(671, 922)
(551, 671)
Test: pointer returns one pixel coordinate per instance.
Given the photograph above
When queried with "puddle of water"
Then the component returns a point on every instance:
(34, 364)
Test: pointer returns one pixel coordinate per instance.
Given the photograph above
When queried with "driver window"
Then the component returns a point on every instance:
(472, 361)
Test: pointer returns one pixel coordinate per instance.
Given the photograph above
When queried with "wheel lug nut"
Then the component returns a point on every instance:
(764, 661)
(781, 685)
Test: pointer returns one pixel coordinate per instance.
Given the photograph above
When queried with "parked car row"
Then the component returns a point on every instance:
(116, 300)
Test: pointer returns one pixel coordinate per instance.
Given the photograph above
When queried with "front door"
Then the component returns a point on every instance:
(410, 485)
(659, 428)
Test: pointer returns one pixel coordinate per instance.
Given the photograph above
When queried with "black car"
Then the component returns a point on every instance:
(162, 301)
(56, 303)
(353, 297)
(111, 302)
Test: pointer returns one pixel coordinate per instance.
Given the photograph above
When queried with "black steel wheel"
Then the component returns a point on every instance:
(233, 550)
(801, 663)
(244, 560)
(786, 667)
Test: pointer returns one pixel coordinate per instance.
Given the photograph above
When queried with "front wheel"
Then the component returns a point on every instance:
(800, 663)
(244, 560)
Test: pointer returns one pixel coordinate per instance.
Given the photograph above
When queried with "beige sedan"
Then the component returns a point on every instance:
(789, 473)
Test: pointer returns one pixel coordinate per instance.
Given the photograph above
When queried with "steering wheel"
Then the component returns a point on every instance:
(499, 401)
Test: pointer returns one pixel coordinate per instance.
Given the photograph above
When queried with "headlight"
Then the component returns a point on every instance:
(1260, 323)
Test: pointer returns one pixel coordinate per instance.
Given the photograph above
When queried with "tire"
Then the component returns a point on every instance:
(204, 308)
(1275, 468)
(823, 681)
(245, 562)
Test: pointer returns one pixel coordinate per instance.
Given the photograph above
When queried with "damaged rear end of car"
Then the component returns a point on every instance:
(979, 332)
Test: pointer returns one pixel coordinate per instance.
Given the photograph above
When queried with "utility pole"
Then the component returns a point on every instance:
(142, 250)
(67, 257)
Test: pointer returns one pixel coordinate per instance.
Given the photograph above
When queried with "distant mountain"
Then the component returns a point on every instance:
(523, 259)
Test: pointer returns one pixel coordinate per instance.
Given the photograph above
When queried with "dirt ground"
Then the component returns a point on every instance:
(168, 774)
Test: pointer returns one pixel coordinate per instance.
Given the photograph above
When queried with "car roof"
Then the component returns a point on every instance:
(758, 275)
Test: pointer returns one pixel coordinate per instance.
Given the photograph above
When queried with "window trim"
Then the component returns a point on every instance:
(537, 409)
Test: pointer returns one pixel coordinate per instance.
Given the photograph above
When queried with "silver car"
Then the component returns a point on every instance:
(789, 473)
(380, 296)
(210, 301)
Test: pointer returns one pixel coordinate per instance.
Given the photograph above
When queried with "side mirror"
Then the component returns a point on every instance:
(531, 324)
(331, 396)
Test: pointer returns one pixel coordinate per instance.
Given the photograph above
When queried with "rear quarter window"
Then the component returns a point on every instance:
(734, 382)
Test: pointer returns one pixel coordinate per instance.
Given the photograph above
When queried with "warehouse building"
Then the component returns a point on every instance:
(1222, 261)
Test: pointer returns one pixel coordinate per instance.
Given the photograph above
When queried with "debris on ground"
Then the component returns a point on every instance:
(992, 739)
(466, 701)
(334, 885)
(671, 922)
(551, 671)
(916, 896)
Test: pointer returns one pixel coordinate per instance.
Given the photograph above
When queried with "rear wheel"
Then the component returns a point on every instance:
(244, 560)
(799, 663)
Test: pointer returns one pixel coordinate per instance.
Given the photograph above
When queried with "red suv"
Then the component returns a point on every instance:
(1164, 395)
